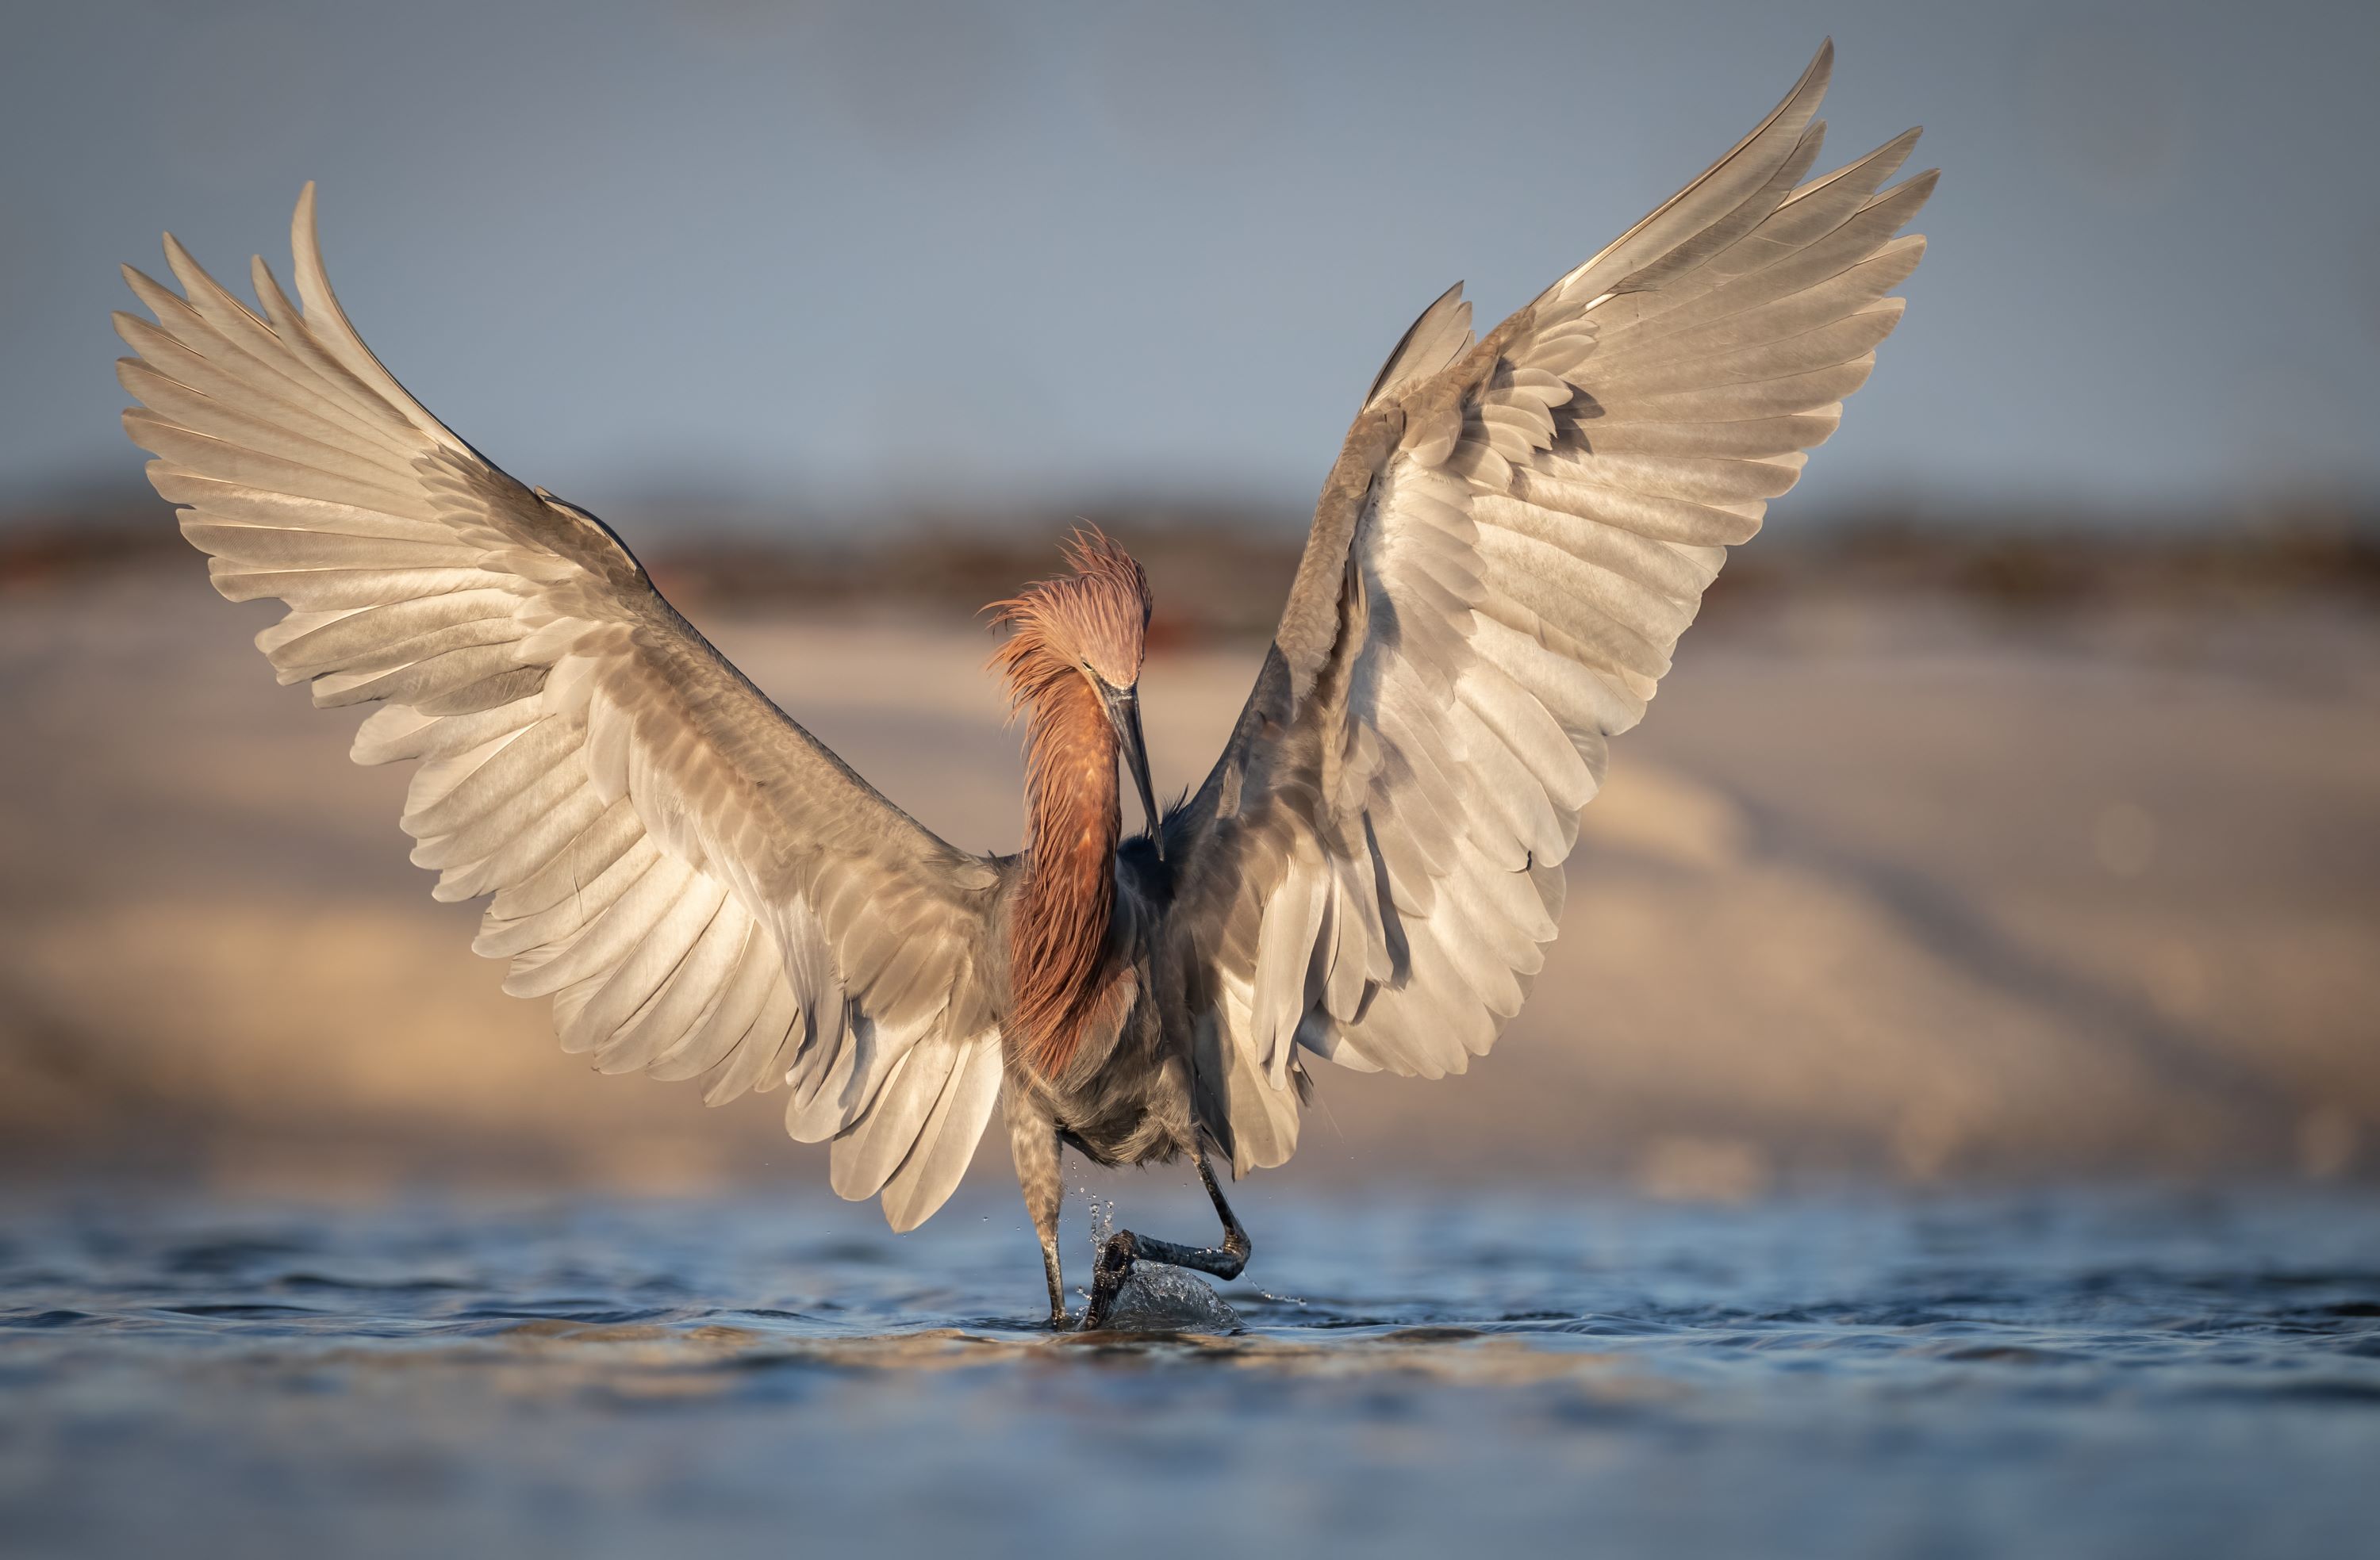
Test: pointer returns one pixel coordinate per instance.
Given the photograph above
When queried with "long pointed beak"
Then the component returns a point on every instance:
(1124, 713)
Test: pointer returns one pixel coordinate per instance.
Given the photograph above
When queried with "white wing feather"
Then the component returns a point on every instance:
(703, 889)
(1508, 551)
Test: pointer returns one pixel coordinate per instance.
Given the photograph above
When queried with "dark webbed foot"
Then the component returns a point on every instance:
(1114, 1266)
(1123, 1248)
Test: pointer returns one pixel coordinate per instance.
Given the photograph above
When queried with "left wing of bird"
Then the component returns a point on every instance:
(1514, 536)
(702, 887)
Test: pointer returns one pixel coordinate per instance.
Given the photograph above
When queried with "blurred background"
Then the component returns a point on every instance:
(2013, 812)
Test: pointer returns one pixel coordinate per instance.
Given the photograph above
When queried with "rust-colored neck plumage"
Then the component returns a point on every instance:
(1058, 938)
(1069, 631)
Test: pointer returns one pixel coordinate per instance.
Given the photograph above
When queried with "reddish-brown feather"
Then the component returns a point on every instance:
(1092, 622)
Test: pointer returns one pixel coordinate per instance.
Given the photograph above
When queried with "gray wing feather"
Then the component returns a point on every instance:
(1437, 338)
(705, 891)
(1514, 537)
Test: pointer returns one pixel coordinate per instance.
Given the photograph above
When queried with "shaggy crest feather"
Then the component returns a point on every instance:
(1095, 618)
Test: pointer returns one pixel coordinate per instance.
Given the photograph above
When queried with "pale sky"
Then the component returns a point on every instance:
(827, 258)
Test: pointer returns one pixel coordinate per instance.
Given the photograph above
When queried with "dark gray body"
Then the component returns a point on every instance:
(1129, 1096)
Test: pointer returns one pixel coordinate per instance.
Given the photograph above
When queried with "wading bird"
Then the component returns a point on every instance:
(1513, 535)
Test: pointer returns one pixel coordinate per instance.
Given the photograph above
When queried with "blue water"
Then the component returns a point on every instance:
(2042, 1375)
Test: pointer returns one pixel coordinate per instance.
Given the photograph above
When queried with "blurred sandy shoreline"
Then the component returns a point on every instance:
(1888, 884)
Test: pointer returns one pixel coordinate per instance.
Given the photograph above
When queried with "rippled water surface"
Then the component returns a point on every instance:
(2046, 1375)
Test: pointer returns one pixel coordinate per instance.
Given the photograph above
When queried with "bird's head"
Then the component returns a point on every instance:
(1091, 623)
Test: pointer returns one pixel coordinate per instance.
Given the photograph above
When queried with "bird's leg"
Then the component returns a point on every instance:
(1033, 1143)
(1124, 1248)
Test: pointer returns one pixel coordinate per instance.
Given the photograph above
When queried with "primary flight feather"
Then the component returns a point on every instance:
(1513, 535)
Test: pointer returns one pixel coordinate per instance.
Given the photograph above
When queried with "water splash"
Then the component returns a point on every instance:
(1158, 1299)
(1155, 1299)
(1102, 1217)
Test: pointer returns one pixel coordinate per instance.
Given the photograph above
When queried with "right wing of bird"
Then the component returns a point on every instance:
(703, 888)
(1512, 539)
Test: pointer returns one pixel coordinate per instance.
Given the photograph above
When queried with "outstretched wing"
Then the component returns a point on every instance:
(1509, 545)
(705, 891)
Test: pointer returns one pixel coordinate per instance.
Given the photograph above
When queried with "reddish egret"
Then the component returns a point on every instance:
(1513, 535)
